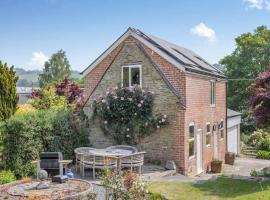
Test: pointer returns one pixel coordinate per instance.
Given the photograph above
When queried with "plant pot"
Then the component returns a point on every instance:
(216, 166)
(229, 158)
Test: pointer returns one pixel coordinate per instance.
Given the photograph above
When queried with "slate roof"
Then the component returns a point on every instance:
(187, 58)
(232, 113)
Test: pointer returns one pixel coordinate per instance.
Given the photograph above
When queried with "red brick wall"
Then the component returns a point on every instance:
(199, 111)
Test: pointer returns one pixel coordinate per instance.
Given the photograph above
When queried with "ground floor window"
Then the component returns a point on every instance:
(191, 140)
(208, 135)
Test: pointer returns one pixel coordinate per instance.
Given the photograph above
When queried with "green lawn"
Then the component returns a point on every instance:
(222, 188)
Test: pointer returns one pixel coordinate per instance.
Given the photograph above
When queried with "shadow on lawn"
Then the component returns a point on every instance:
(230, 188)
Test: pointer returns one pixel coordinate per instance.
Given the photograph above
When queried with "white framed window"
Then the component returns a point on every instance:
(208, 134)
(212, 92)
(131, 75)
(221, 126)
(191, 140)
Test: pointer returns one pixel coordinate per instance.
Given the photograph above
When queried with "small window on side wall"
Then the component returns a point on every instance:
(131, 75)
(191, 140)
(208, 135)
(212, 92)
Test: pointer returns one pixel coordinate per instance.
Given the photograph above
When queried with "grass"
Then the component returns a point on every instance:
(222, 188)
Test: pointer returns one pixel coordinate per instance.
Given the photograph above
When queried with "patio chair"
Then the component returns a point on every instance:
(94, 162)
(79, 153)
(132, 161)
(124, 147)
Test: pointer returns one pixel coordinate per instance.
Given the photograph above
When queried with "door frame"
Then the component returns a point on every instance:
(199, 155)
(215, 145)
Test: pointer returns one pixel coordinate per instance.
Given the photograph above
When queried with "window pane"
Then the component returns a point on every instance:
(191, 148)
(222, 133)
(208, 128)
(125, 77)
(191, 132)
(208, 138)
(135, 76)
(221, 124)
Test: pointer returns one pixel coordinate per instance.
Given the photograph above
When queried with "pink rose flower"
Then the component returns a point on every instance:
(122, 98)
(139, 105)
(115, 97)
(163, 120)
(158, 126)
(127, 129)
(105, 122)
(141, 101)
(165, 116)
(103, 101)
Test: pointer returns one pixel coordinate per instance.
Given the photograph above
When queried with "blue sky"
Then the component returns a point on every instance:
(31, 30)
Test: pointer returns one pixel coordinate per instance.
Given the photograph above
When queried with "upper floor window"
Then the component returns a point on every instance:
(213, 92)
(221, 129)
(131, 75)
(191, 140)
(208, 134)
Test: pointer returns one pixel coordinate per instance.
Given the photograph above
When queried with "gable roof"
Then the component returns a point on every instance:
(180, 57)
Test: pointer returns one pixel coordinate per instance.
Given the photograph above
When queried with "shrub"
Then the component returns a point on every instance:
(24, 108)
(125, 186)
(69, 132)
(264, 145)
(26, 135)
(257, 137)
(127, 114)
(263, 154)
(6, 177)
(245, 138)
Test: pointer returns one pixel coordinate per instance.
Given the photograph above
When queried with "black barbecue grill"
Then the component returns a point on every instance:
(49, 161)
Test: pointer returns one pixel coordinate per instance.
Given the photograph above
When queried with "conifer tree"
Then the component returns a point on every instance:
(8, 95)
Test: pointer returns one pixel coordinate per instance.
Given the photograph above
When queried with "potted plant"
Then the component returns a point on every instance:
(216, 166)
(229, 158)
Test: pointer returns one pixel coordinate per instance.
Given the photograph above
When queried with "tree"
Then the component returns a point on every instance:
(250, 57)
(260, 99)
(8, 95)
(59, 96)
(55, 69)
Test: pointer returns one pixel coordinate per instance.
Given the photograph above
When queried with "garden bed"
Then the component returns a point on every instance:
(74, 189)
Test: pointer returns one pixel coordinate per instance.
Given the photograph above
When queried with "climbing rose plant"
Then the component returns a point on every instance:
(126, 114)
(260, 99)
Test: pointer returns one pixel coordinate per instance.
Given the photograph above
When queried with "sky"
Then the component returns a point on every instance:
(32, 30)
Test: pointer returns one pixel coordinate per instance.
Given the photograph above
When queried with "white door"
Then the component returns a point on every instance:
(199, 151)
(215, 145)
(232, 139)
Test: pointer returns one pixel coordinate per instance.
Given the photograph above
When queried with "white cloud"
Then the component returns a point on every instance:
(38, 59)
(258, 4)
(202, 30)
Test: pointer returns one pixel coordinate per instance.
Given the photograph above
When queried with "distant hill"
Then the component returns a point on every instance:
(29, 78)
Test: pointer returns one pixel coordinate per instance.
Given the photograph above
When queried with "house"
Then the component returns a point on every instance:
(233, 131)
(188, 89)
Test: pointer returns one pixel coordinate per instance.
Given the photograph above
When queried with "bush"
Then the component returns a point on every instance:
(69, 132)
(127, 114)
(245, 138)
(256, 137)
(263, 154)
(26, 135)
(264, 145)
(6, 177)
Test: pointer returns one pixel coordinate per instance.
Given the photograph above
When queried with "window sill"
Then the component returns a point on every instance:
(208, 146)
(212, 105)
(191, 157)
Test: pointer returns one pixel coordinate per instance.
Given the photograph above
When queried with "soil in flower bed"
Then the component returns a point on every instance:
(72, 190)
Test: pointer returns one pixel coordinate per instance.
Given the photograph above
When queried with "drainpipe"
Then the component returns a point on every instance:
(226, 92)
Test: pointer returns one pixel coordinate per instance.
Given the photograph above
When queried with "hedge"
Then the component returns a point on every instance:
(25, 135)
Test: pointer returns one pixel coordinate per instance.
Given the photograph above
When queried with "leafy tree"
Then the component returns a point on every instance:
(55, 69)
(59, 96)
(250, 57)
(8, 95)
(260, 100)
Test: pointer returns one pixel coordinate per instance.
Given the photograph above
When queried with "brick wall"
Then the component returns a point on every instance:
(164, 143)
(170, 143)
(199, 111)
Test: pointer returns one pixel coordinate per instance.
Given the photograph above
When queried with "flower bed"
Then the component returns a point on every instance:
(72, 190)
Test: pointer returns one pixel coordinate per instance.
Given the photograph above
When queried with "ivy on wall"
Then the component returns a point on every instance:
(126, 114)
